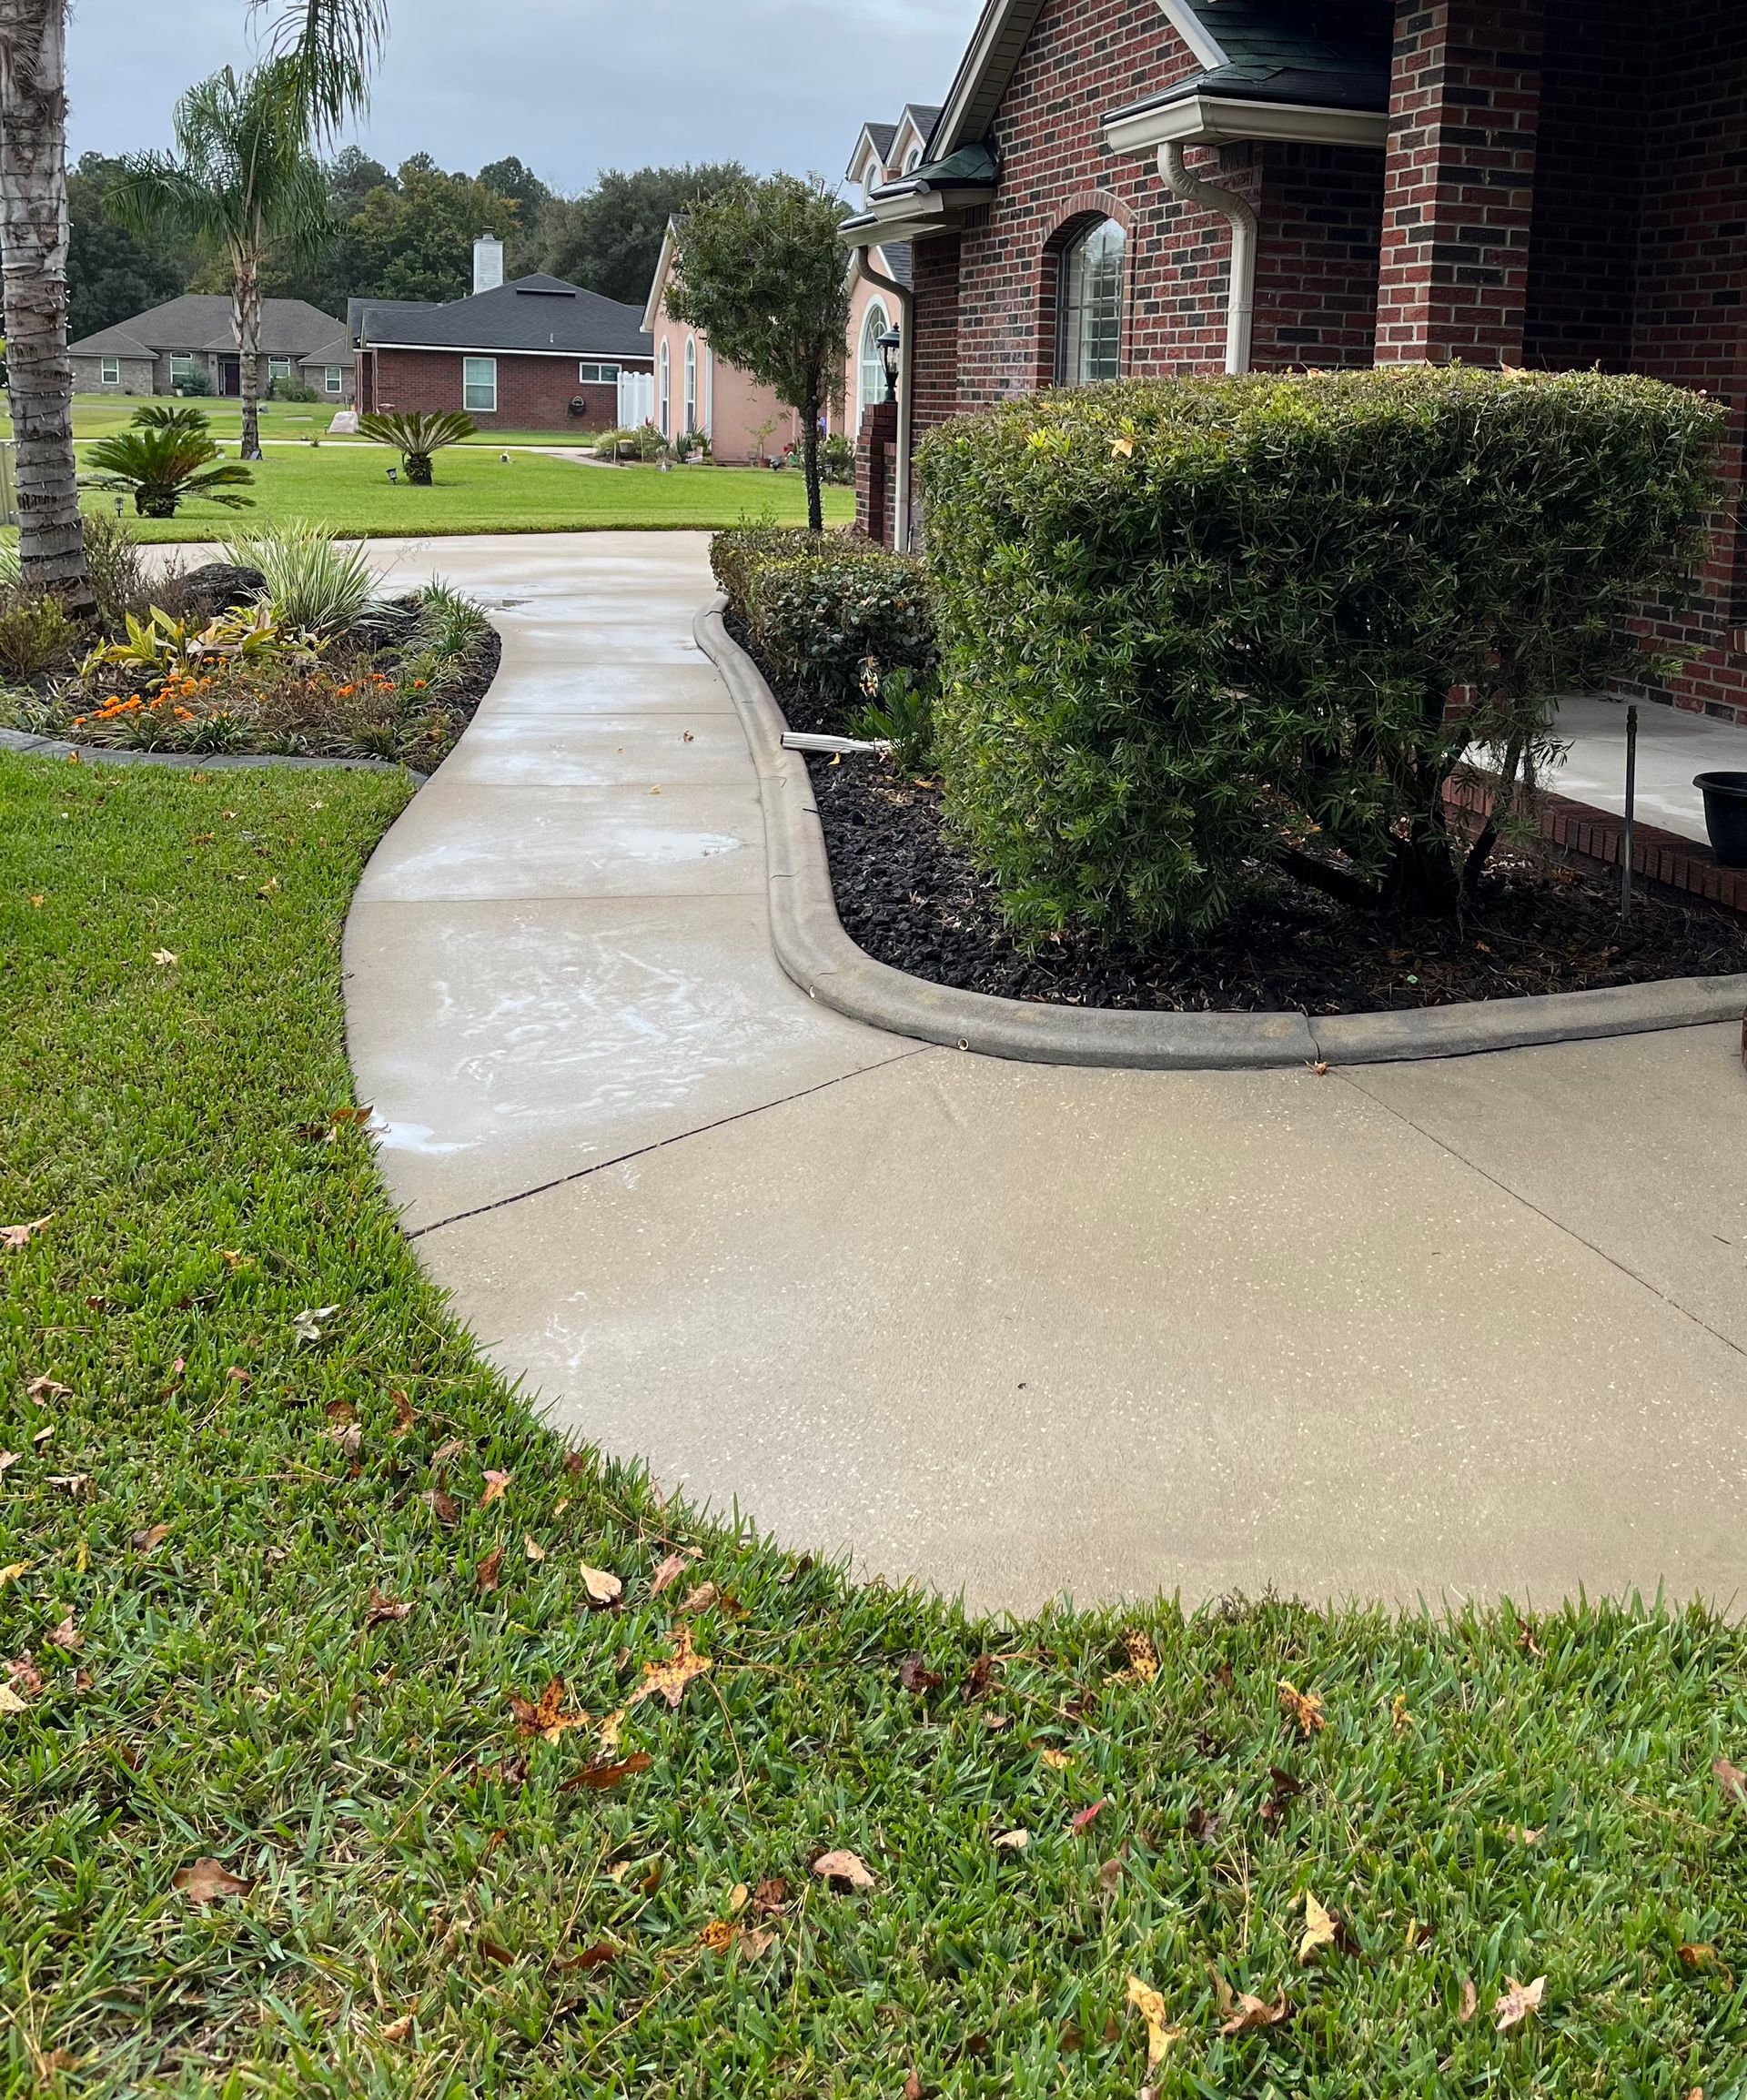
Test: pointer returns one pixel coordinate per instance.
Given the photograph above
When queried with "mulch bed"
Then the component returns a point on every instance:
(909, 896)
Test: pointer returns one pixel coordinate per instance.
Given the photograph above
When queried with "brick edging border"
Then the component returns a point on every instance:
(820, 957)
(22, 742)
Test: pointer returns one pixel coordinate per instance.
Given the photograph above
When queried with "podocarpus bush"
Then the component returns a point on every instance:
(831, 614)
(1191, 626)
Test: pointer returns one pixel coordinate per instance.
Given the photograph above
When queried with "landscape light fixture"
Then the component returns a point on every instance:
(890, 350)
(394, 474)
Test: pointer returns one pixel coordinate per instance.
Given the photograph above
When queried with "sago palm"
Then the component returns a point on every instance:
(242, 182)
(164, 465)
(416, 436)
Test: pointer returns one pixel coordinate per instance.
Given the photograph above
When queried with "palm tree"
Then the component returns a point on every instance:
(332, 47)
(32, 239)
(242, 181)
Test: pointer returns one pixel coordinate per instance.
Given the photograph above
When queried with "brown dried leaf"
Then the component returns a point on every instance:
(533, 1549)
(846, 1869)
(496, 1487)
(603, 1589)
(24, 1676)
(1732, 1780)
(75, 1484)
(594, 1957)
(1150, 2004)
(67, 1636)
(978, 1678)
(405, 1415)
(445, 1452)
(485, 1576)
(15, 1238)
(442, 1505)
(914, 2088)
(1143, 1660)
(671, 1569)
(495, 1951)
(668, 1679)
(770, 1899)
(719, 1936)
(397, 2030)
(547, 1716)
(1320, 1928)
(1517, 2002)
(1470, 2001)
(1248, 2012)
(207, 1882)
(144, 1541)
(702, 1599)
(754, 1940)
(13, 1571)
(43, 1390)
(381, 1610)
(601, 1778)
(10, 1701)
(1697, 1956)
(1013, 1841)
(1303, 1707)
(7, 1459)
(914, 1676)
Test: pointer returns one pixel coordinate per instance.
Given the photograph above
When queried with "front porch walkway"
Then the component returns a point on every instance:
(1672, 745)
(1438, 1330)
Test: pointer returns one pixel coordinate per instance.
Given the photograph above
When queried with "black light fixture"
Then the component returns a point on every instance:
(891, 352)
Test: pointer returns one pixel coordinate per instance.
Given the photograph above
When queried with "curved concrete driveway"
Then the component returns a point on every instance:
(1434, 1330)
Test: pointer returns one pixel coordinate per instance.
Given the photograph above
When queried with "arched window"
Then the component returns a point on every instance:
(870, 389)
(913, 160)
(664, 392)
(1089, 346)
(690, 384)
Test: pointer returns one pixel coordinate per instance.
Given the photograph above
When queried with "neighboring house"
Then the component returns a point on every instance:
(695, 390)
(158, 352)
(537, 354)
(1159, 186)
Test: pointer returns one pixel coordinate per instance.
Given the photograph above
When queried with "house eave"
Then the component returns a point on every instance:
(918, 215)
(488, 351)
(1212, 119)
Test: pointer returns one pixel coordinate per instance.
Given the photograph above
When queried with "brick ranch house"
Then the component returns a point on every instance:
(1159, 186)
(159, 351)
(537, 354)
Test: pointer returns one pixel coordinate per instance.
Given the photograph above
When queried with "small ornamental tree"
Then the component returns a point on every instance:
(1190, 627)
(760, 272)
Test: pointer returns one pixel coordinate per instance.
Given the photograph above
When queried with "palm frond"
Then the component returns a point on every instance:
(333, 46)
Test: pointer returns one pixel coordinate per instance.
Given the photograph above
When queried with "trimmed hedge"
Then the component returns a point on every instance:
(820, 606)
(1191, 626)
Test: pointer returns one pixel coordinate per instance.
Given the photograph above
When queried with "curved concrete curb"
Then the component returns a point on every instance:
(30, 746)
(818, 955)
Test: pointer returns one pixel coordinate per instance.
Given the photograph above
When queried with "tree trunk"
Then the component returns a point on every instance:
(34, 239)
(246, 322)
(810, 459)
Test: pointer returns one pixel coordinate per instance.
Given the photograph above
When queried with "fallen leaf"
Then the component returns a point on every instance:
(669, 1678)
(10, 1701)
(601, 1778)
(1087, 1817)
(485, 1576)
(205, 1882)
(67, 1636)
(43, 1435)
(1697, 1958)
(914, 2088)
(15, 1238)
(533, 1548)
(1056, 1760)
(754, 1940)
(7, 1459)
(996, 1723)
(1470, 2001)
(771, 1898)
(1204, 1826)
(396, 2030)
(24, 1676)
(699, 1600)
(145, 1541)
(594, 1957)
(978, 1678)
(496, 1485)
(1110, 1877)
(164, 958)
(43, 1390)
(350, 1436)
(604, 1589)
(443, 1504)
(1517, 2002)
(576, 1463)
(671, 1569)
(846, 1868)
(495, 1951)
(1122, 448)
(1398, 1714)
(1143, 1660)
(12, 1573)
(1248, 2012)
(1150, 2004)
(1013, 1841)
(1732, 1780)
(405, 1416)
(1319, 1928)
(1304, 1707)
(445, 1452)
(547, 1717)
(307, 1324)
(383, 1611)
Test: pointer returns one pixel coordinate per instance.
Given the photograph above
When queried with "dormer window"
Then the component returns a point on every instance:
(913, 160)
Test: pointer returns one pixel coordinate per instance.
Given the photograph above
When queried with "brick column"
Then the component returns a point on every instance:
(874, 448)
(1459, 181)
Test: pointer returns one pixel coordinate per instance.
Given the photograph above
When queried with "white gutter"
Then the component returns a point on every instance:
(1240, 308)
(906, 423)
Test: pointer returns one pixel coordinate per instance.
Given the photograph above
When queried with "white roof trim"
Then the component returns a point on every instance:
(865, 149)
(1208, 118)
(910, 216)
(1003, 29)
(497, 351)
(658, 291)
(1195, 33)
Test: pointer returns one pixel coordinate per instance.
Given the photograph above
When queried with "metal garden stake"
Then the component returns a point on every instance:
(1632, 813)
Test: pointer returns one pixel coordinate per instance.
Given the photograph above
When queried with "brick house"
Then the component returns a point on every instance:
(536, 354)
(160, 352)
(1121, 188)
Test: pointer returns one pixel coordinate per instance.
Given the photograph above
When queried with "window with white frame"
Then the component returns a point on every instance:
(110, 371)
(664, 391)
(690, 384)
(479, 385)
(333, 378)
(1089, 344)
(913, 160)
(277, 369)
(181, 371)
(870, 389)
(589, 375)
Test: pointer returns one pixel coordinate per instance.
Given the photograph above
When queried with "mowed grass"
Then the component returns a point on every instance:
(96, 415)
(279, 1550)
(347, 487)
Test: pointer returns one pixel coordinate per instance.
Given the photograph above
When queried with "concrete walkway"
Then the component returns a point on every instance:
(1440, 1330)
(1672, 746)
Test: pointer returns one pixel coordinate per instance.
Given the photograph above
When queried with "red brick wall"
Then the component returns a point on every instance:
(1316, 258)
(1459, 182)
(876, 451)
(534, 393)
(935, 319)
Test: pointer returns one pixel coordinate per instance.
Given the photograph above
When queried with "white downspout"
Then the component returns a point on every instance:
(1240, 313)
(906, 428)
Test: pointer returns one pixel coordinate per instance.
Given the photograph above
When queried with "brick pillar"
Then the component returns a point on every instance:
(1459, 181)
(876, 447)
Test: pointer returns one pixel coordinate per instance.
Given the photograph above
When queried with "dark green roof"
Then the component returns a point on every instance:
(1329, 54)
(970, 168)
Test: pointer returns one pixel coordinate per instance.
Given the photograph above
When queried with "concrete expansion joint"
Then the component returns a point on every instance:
(819, 956)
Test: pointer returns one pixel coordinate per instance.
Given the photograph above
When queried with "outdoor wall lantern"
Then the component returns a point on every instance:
(891, 348)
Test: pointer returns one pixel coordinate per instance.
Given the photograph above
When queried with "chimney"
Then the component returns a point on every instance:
(488, 263)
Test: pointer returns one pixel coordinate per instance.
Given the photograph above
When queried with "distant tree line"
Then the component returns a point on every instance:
(405, 234)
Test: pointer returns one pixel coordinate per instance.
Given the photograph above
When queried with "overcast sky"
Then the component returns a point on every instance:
(570, 85)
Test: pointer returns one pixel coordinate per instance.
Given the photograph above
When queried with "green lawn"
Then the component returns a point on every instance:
(347, 487)
(278, 1552)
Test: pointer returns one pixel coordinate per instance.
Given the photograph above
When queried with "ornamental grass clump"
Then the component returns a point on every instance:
(1194, 629)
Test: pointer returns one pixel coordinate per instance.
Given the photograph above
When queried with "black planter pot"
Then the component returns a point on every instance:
(1725, 815)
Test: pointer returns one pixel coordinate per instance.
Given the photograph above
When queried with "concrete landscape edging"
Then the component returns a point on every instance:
(22, 742)
(820, 957)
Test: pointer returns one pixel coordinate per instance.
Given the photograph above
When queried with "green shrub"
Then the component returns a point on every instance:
(165, 462)
(831, 615)
(903, 716)
(291, 390)
(309, 580)
(1189, 627)
(36, 634)
(837, 460)
(112, 556)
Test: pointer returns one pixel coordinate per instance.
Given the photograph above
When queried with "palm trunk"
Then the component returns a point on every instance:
(810, 459)
(34, 239)
(246, 320)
